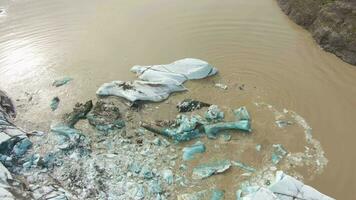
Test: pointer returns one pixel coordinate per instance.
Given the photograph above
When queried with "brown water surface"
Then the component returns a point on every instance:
(251, 42)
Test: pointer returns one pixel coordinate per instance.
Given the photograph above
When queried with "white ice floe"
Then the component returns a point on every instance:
(157, 82)
(285, 187)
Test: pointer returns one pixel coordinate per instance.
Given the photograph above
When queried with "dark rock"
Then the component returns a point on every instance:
(188, 105)
(105, 116)
(6, 105)
(79, 112)
(54, 103)
(331, 22)
(7, 146)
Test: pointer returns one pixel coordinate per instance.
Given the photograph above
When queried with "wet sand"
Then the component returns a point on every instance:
(252, 43)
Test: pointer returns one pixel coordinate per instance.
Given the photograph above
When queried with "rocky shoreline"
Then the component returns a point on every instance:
(332, 23)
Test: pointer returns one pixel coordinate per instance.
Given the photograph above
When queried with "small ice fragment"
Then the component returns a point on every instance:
(283, 123)
(278, 153)
(63, 81)
(214, 113)
(167, 175)
(258, 147)
(221, 86)
(206, 170)
(243, 166)
(189, 152)
(242, 113)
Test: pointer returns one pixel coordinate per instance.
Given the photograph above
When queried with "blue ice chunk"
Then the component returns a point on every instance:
(31, 161)
(242, 114)
(146, 173)
(226, 137)
(157, 142)
(245, 188)
(7, 161)
(21, 147)
(184, 136)
(188, 128)
(167, 175)
(189, 152)
(278, 153)
(239, 194)
(62, 81)
(206, 170)
(155, 187)
(217, 194)
(134, 167)
(243, 166)
(165, 142)
(283, 123)
(213, 129)
(69, 138)
(214, 113)
(50, 160)
(183, 167)
(140, 192)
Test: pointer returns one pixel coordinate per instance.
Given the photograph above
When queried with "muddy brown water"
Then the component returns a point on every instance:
(251, 42)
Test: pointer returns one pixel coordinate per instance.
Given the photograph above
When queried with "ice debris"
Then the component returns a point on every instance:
(214, 113)
(206, 170)
(189, 152)
(60, 82)
(70, 139)
(185, 128)
(284, 187)
(242, 113)
(54, 103)
(211, 194)
(283, 123)
(217, 194)
(155, 187)
(243, 166)
(13, 142)
(278, 153)
(167, 175)
(258, 147)
(158, 81)
(146, 173)
(188, 105)
(313, 150)
(226, 137)
(21, 147)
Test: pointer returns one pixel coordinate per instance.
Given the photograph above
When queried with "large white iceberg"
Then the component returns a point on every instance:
(157, 82)
(285, 187)
(175, 73)
(139, 90)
